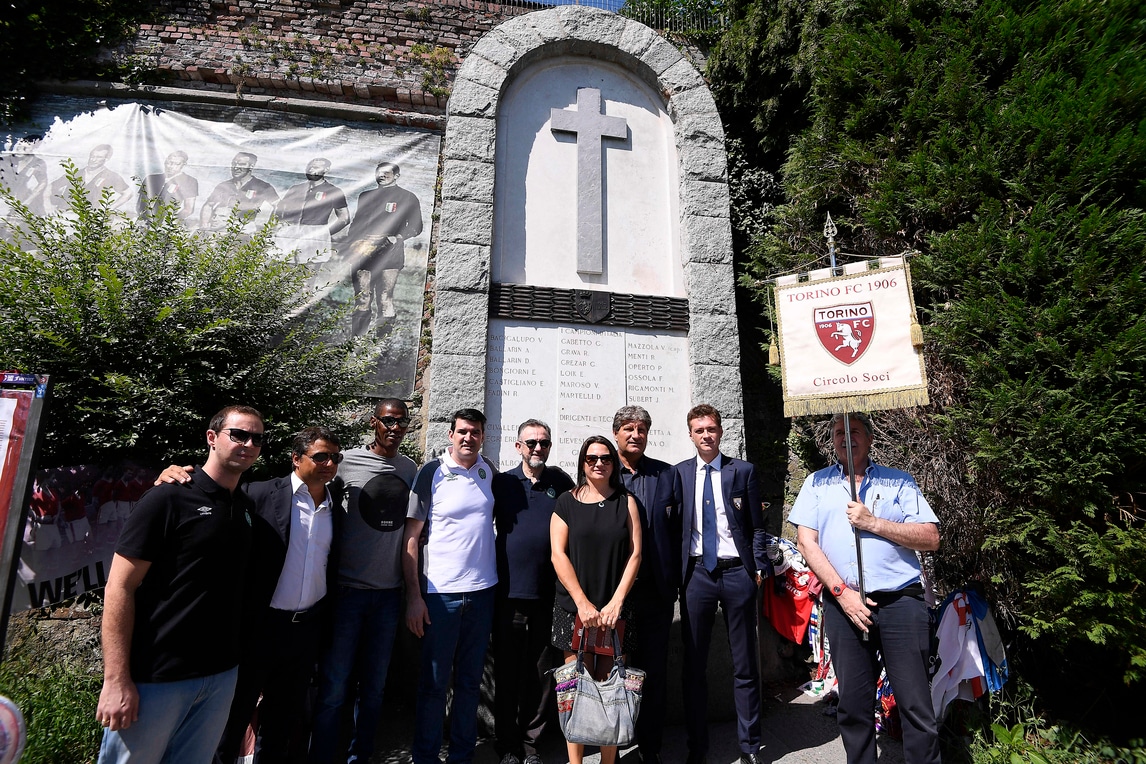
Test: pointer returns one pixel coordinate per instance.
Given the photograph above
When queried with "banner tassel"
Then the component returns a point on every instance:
(916, 333)
(773, 353)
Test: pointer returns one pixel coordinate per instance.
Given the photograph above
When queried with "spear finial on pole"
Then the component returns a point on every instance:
(830, 235)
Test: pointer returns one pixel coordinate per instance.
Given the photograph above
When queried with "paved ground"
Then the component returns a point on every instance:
(795, 731)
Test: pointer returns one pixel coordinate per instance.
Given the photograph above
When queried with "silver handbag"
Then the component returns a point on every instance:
(599, 712)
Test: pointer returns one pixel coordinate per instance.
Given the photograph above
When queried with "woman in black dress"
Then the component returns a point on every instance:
(596, 539)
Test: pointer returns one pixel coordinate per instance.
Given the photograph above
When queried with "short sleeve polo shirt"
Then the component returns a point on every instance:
(457, 505)
(188, 607)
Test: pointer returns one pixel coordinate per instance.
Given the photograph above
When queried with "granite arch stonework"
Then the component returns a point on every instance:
(465, 233)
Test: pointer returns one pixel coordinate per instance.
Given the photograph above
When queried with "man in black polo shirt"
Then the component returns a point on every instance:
(523, 606)
(172, 606)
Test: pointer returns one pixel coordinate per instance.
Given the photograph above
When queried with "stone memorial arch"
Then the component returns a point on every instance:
(585, 254)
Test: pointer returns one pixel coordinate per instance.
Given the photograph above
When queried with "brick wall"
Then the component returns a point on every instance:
(392, 53)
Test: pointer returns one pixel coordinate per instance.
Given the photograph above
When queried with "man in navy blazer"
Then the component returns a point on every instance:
(722, 550)
(651, 482)
(292, 566)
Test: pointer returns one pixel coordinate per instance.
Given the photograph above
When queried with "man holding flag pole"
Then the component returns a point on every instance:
(849, 341)
(893, 520)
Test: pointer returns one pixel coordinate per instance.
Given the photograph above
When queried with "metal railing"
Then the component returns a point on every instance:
(684, 17)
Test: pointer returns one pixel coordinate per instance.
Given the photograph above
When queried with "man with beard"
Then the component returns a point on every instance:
(243, 191)
(367, 600)
(524, 498)
(311, 213)
(172, 186)
(385, 218)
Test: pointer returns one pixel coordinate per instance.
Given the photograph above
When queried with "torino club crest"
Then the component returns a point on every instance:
(846, 331)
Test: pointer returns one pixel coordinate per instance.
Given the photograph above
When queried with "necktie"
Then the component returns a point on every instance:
(708, 522)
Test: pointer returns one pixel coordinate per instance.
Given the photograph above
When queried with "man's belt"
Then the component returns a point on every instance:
(724, 563)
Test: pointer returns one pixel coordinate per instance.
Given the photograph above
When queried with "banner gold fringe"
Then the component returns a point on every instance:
(818, 406)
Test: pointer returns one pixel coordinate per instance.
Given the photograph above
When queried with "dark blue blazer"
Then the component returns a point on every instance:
(653, 486)
(741, 506)
(274, 501)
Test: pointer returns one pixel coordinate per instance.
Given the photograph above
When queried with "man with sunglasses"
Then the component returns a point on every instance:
(524, 498)
(368, 593)
(291, 569)
(173, 605)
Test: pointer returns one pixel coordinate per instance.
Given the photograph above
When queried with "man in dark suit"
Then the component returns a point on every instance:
(291, 569)
(650, 482)
(722, 552)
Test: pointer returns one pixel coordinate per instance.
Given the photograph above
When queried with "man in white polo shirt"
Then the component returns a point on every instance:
(450, 594)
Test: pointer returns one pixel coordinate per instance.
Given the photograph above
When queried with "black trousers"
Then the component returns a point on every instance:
(279, 665)
(900, 631)
(655, 615)
(523, 700)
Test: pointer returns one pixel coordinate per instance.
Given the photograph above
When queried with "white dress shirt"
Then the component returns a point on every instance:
(303, 580)
(726, 547)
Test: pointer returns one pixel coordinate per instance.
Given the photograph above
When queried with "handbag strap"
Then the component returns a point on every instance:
(618, 659)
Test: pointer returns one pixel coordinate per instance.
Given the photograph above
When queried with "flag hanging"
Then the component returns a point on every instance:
(846, 341)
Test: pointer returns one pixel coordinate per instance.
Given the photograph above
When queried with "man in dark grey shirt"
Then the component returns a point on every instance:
(367, 600)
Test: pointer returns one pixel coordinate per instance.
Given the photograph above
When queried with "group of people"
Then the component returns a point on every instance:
(314, 217)
(219, 595)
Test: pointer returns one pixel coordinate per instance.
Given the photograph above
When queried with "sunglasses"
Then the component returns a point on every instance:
(532, 444)
(243, 436)
(322, 457)
(592, 459)
(392, 421)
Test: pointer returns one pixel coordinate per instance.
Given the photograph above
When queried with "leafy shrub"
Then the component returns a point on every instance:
(147, 329)
(51, 671)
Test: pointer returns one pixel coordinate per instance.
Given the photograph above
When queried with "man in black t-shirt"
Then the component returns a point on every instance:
(172, 606)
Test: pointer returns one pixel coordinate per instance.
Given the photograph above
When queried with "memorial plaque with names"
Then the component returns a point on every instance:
(574, 378)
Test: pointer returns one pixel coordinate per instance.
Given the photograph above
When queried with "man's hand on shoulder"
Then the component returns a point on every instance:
(118, 706)
(175, 474)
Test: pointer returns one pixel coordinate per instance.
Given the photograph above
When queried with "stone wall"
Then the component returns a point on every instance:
(394, 54)
(390, 53)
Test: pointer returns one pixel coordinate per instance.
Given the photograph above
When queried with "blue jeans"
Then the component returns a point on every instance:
(178, 722)
(455, 642)
(365, 623)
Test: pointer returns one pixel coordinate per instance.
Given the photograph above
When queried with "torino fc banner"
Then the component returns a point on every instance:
(845, 341)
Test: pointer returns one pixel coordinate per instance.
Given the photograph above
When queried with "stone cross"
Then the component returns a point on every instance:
(590, 126)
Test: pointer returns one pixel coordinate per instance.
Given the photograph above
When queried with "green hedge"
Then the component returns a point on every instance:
(1005, 142)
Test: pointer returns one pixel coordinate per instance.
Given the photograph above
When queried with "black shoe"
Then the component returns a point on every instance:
(696, 758)
(749, 758)
(648, 758)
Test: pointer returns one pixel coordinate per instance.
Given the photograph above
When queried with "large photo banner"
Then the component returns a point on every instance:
(72, 526)
(352, 202)
(845, 341)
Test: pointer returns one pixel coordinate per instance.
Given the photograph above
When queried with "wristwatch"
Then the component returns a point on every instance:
(838, 589)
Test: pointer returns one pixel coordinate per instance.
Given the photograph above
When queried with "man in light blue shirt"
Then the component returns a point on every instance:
(895, 522)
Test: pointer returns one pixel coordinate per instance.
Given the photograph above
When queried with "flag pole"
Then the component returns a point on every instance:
(830, 235)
